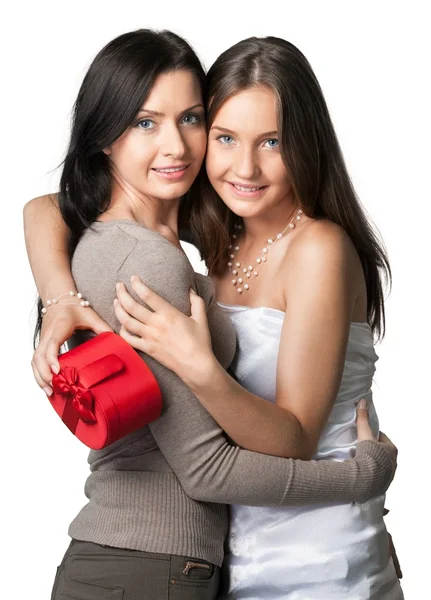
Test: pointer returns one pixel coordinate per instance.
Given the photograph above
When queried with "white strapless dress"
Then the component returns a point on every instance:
(320, 552)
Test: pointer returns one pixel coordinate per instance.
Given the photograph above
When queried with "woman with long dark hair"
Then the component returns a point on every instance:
(156, 518)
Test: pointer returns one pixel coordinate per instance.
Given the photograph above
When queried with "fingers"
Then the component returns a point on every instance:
(97, 324)
(41, 367)
(150, 298)
(130, 305)
(136, 342)
(394, 556)
(46, 355)
(58, 325)
(40, 382)
(364, 430)
(128, 322)
(198, 307)
(51, 354)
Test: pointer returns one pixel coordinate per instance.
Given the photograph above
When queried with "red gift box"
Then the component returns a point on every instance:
(104, 391)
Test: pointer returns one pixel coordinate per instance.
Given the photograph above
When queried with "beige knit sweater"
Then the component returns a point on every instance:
(165, 488)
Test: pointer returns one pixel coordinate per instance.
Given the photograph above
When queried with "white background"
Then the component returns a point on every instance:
(372, 60)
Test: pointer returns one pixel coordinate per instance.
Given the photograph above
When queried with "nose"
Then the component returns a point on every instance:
(173, 143)
(246, 165)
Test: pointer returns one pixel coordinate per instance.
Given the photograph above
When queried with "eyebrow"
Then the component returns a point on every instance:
(267, 134)
(159, 114)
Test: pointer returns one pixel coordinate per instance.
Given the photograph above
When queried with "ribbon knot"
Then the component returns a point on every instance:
(79, 400)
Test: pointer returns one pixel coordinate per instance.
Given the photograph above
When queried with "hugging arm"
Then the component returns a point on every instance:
(47, 239)
(208, 466)
(47, 243)
(322, 285)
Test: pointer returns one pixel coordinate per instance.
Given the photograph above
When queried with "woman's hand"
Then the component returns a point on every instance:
(365, 432)
(180, 343)
(59, 323)
(393, 552)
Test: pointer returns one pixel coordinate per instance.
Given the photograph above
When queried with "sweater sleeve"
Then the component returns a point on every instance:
(210, 468)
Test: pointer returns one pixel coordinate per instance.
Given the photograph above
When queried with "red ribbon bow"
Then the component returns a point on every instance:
(79, 400)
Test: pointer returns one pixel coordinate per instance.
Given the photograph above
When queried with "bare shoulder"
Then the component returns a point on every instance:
(322, 243)
(45, 201)
(323, 251)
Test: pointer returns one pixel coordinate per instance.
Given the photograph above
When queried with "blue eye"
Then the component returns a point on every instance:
(227, 140)
(146, 124)
(273, 143)
(191, 119)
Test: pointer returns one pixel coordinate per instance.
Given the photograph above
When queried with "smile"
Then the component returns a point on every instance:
(171, 169)
(171, 173)
(241, 188)
(247, 191)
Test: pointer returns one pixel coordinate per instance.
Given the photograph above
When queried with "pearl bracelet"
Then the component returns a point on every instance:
(84, 303)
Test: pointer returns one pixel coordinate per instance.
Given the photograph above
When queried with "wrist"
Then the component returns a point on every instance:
(55, 288)
(70, 298)
(203, 372)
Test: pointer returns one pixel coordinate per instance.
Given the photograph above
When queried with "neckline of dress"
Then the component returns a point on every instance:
(280, 312)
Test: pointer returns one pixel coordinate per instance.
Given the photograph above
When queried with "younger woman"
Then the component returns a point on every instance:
(301, 279)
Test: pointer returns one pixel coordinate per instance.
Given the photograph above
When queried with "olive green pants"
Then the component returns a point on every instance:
(93, 572)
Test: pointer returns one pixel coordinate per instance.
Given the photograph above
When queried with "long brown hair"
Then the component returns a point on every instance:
(311, 154)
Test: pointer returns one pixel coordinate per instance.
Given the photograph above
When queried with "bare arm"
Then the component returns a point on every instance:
(47, 238)
(318, 279)
(211, 469)
(311, 356)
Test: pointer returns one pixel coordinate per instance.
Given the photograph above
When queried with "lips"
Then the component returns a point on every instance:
(247, 188)
(170, 169)
(171, 172)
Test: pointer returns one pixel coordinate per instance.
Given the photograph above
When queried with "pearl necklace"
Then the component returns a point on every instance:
(252, 269)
